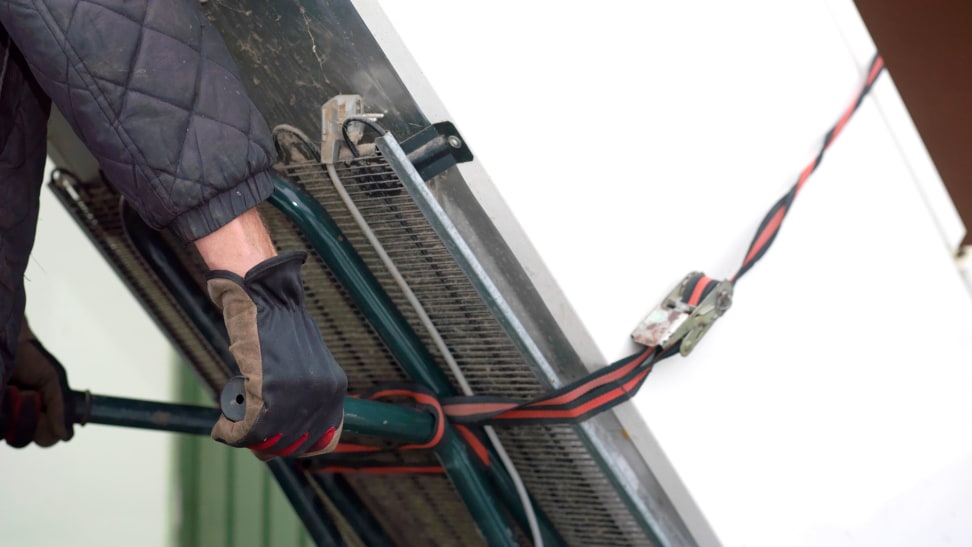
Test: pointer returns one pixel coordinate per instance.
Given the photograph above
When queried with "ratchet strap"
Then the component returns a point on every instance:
(689, 309)
(675, 326)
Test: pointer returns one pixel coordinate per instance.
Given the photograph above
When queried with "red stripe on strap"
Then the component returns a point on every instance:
(766, 234)
(699, 289)
(584, 388)
(468, 409)
(840, 124)
(577, 411)
(348, 448)
(473, 441)
(424, 469)
(875, 70)
(421, 398)
(805, 174)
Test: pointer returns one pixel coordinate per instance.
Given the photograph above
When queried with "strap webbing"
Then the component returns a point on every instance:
(577, 401)
(618, 382)
(611, 385)
(774, 218)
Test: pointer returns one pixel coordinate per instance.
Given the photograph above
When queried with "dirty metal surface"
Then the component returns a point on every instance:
(294, 56)
(96, 208)
(555, 464)
(95, 205)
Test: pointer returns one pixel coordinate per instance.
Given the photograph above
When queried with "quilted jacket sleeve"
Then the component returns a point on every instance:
(152, 90)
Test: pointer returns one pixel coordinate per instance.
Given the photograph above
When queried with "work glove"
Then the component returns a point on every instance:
(19, 416)
(294, 389)
(35, 400)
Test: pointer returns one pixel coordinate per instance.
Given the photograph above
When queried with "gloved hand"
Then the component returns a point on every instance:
(35, 400)
(19, 416)
(294, 387)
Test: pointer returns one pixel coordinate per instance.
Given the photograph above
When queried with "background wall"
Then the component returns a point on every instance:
(228, 498)
(107, 486)
(635, 142)
(928, 52)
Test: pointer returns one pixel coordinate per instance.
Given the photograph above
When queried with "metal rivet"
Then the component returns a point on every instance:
(454, 141)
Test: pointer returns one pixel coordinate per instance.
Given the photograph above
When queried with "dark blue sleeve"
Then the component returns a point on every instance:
(151, 89)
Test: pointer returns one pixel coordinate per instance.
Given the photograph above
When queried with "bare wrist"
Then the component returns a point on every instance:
(239, 245)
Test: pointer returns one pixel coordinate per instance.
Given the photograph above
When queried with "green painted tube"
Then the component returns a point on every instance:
(388, 421)
(475, 490)
(326, 238)
(385, 420)
(330, 243)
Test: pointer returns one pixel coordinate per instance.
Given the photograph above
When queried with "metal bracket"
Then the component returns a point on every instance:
(431, 150)
(675, 320)
(333, 114)
(435, 149)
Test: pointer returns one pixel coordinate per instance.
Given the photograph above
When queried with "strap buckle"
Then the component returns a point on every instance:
(675, 320)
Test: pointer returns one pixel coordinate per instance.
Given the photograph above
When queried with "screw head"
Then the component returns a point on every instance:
(454, 141)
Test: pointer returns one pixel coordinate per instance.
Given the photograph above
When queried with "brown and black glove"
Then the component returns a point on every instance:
(34, 402)
(294, 403)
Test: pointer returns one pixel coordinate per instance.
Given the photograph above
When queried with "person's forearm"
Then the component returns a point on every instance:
(238, 246)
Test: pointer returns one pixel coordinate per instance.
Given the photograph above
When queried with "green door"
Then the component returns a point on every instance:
(227, 497)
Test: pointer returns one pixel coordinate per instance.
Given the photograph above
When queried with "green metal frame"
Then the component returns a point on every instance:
(296, 486)
(385, 420)
(487, 493)
(485, 502)
(388, 421)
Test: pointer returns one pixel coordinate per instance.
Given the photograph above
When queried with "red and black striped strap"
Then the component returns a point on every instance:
(339, 462)
(774, 218)
(579, 400)
(618, 382)
(572, 403)
(347, 458)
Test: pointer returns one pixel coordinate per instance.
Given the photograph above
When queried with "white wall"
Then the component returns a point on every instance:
(637, 141)
(107, 486)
